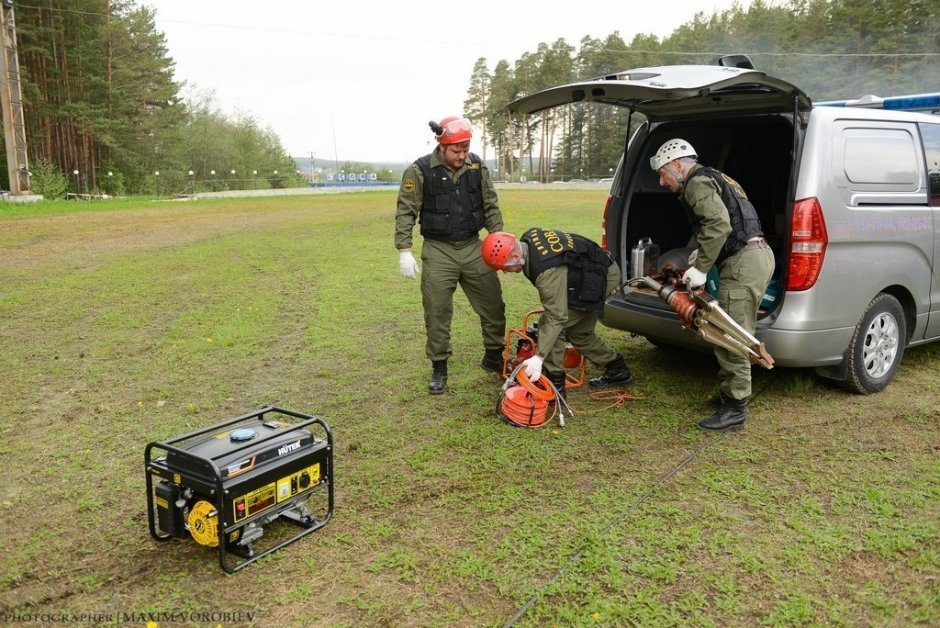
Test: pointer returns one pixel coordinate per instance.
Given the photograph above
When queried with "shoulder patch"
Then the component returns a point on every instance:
(408, 185)
(734, 184)
(472, 165)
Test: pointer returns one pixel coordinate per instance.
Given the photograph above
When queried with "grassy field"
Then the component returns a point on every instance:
(127, 323)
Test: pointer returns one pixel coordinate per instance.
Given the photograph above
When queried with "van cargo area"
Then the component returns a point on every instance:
(757, 152)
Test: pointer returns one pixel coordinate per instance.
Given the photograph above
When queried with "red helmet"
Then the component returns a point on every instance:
(497, 248)
(454, 130)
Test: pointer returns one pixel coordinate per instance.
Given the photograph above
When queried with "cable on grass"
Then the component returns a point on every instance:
(574, 558)
(616, 397)
(636, 504)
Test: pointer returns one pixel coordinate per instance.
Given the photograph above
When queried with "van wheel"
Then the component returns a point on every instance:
(877, 346)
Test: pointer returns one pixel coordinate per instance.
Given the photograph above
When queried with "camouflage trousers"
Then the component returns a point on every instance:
(580, 332)
(445, 265)
(743, 280)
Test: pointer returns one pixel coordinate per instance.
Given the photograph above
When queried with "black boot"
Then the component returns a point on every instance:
(558, 381)
(731, 414)
(717, 400)
(492, 360)
(438, 377)
(616, 372)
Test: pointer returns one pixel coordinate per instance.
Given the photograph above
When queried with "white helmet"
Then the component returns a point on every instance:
(671, 150)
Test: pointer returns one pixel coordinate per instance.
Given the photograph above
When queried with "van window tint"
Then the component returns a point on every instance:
(869, 151)
(931, 138)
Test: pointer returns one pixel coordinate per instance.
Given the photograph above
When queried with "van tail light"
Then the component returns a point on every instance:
(604, 222)
(808, 241)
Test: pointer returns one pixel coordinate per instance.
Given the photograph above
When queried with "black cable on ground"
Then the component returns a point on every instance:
(636, 504)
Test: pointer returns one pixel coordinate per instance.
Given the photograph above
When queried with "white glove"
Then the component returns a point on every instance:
(533, 368)
(407, 264)
(692, 257)
(694, 278)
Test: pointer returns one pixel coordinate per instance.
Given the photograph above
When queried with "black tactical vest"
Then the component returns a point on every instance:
(451, 211)
(587, 265)
(744, 221)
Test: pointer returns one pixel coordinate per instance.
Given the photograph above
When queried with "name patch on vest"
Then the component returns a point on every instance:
(551, 242)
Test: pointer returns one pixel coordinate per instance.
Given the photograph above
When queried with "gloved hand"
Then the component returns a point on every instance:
(533, 368)
(407, 264)
(694, 277)
(692, 257)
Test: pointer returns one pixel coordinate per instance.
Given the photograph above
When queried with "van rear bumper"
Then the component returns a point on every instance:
(789, 347)
(806, 348)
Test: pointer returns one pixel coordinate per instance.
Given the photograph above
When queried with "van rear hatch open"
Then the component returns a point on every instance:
(739, 119)
(675, 91)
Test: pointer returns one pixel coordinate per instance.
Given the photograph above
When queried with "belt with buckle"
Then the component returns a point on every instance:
(758, 243)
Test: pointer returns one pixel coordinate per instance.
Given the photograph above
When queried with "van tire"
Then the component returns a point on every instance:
(877, 346)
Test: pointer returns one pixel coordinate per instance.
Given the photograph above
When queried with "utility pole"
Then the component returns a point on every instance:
(11, 101)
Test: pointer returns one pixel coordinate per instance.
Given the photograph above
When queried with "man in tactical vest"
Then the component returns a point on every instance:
(451, 194)
(573, 276)
(729, 235)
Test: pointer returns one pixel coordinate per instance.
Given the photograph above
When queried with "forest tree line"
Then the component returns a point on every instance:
(831, 49)
(99, 95)
(99, 98)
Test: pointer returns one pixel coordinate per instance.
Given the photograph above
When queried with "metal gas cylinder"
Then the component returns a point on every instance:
(643, 258)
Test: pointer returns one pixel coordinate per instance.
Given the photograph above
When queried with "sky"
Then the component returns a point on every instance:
(358, 81)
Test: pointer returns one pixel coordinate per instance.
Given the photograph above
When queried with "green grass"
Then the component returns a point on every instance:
(130, 322)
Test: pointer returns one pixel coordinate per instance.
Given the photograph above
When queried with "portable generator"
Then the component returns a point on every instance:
(223, 484)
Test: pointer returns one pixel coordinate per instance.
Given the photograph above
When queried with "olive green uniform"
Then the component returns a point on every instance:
(558, 324)
(447, 264)
(743, 277)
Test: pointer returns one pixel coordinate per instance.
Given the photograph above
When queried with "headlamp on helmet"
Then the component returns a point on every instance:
(452, 130)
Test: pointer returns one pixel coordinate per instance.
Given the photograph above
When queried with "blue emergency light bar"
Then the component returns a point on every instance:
(913, 102)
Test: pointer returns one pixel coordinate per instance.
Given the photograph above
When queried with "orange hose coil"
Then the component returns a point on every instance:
(526, 403)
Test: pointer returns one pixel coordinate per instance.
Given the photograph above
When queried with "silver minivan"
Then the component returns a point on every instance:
(848, 194)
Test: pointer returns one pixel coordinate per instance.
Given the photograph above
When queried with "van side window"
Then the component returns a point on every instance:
(868, 150)
(878, 163)
(930, 134)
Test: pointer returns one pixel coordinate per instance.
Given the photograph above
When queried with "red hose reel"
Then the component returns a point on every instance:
(525, 403)
(522, 402)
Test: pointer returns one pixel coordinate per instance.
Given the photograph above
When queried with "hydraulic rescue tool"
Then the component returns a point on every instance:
(223, 484)
(701, 315)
